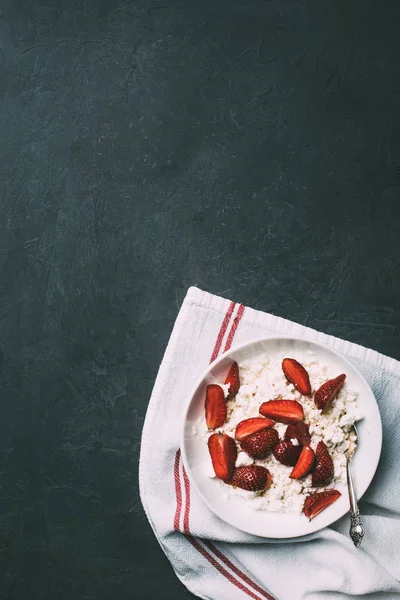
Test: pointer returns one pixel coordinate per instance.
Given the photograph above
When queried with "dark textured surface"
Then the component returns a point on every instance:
(250, 149)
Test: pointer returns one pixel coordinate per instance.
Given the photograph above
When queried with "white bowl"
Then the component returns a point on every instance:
(237, 511)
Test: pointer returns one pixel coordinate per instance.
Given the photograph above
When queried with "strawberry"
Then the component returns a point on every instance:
(233, 379)
(223, 452)
(323, 472)
(297, 375)
(317, 502)
(260, 444)
(328, 390)
(286, 453)
(252, 425)
(304, 464)
(251, 478)
(215, 405)
(298, 431)
(284, 411)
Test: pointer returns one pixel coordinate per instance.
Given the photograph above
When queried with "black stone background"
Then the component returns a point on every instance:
(247, 147)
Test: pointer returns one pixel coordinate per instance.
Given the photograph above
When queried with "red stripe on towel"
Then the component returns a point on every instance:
(178, 491)
(236, 570)
(234, 327)
(221, 569)
(222, 331)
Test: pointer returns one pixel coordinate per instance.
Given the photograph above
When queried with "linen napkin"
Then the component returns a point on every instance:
(218, 562)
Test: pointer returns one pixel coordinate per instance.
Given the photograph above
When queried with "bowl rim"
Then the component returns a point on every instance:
(221, 358)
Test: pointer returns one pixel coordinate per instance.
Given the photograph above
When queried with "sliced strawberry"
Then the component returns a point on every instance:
(297, 375)
(251, 478)
(318, 502)
(304, 464)
(284, 411)
(216, 411)
(223, 452)
(252, 425)
(260, 444)
(233, 379)
(286, 453)
(298, 431)
(328, 390)
(324, 471)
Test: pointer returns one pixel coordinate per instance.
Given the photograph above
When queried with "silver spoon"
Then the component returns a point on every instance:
(356, 526)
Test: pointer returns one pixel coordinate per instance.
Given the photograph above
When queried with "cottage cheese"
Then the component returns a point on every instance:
(264, 380)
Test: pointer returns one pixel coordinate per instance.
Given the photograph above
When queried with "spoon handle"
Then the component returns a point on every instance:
(356, 527)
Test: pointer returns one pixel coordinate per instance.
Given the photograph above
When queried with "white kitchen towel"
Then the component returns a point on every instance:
(216, 561)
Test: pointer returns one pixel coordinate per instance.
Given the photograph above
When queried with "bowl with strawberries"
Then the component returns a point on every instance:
(267, 433)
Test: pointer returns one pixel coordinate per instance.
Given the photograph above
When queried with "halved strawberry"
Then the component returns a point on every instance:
(233, 379)
(260, 444)
(298, 431)
(252, 425)
(304, 464)
(223, 452)
(297, 375)
(328, 390)
(284, 411)
(286, 453)
(318, 502)
(324, 471)
(251, 478)
(215, 406)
